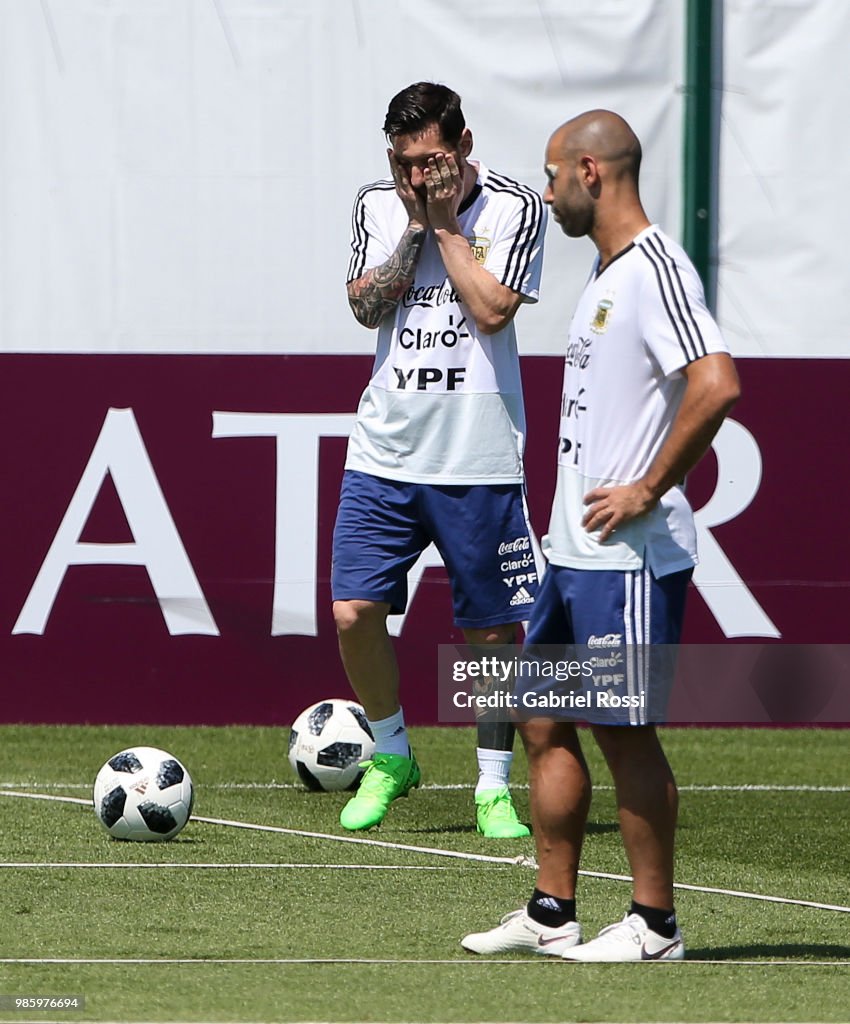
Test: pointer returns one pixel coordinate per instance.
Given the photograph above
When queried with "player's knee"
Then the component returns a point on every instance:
(540, 735)
(353, 617)
(625, 746)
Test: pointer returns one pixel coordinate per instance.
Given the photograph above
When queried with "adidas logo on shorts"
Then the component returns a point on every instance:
(522, 596)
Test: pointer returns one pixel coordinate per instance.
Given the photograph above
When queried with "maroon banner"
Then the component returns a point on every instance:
(167, 529)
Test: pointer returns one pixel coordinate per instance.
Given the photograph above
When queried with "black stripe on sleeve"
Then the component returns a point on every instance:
(359, 231)
(675, 298)
(531, 220)
(680, 285)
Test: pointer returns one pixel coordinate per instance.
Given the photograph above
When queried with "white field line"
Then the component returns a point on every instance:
(521, 861)
(746, 787)
(279, 830)
(472, 961)
(222, 866)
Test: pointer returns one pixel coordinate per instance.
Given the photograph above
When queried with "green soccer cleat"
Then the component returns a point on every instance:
(496, 816)
(388, 776)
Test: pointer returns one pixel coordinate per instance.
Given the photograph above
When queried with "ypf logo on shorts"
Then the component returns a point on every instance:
(519, 580)
(609, 640)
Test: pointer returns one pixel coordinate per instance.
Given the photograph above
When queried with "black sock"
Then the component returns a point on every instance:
(496, 735)
(663, 922)
(550, 910)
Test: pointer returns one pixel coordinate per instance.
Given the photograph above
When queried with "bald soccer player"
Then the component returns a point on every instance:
(647, 383)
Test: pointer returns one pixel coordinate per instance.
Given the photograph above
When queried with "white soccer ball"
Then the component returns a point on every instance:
(143, 794)
(328, 742)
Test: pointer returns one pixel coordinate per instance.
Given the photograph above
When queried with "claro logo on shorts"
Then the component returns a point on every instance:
(609, 640)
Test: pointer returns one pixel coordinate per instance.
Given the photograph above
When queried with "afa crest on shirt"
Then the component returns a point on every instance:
(480, 246)
(599, 323)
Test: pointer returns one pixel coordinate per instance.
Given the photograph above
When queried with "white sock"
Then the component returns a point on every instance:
(391, 735)
(494, 769)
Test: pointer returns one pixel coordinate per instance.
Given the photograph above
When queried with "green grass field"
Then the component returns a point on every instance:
(278, 926)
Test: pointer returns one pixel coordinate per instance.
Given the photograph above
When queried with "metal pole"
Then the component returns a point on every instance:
(701, 139)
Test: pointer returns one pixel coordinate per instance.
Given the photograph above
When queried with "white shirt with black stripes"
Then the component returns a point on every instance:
(444, 403)
(636, 325)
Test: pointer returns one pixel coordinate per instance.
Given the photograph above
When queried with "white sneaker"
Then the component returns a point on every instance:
(629, 939)
(517, 932)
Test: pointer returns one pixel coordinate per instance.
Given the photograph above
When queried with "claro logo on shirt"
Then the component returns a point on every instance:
(448, 337)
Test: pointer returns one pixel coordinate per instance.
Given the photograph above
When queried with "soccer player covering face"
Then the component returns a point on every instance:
(443, 253)
(647, 383)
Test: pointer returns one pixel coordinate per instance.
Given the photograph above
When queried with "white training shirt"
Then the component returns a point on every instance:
(637, 324)
(444, 404)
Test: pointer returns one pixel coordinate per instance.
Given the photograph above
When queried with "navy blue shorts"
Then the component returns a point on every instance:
(481, 531)
(618, 629)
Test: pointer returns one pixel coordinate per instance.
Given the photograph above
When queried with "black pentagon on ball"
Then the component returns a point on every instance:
(307, 777)
(125, 762)
(339, 755)
(158, 819)
(293, 739)
(112, 806)
(318, 718)
(170, 772)
(361, 719)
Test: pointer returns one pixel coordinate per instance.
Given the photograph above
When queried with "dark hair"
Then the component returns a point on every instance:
(420, 105)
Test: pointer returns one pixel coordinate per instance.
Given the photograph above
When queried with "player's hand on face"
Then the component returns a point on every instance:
(414, 203)
(444, 189)
(611, 507)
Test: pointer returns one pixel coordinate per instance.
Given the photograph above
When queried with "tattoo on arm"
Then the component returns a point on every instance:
(377, 292)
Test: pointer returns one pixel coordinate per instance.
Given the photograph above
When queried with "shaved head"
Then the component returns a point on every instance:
(592, 166)
(603, 135)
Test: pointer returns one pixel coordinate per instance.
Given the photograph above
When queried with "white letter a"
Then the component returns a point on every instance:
(121, 453)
